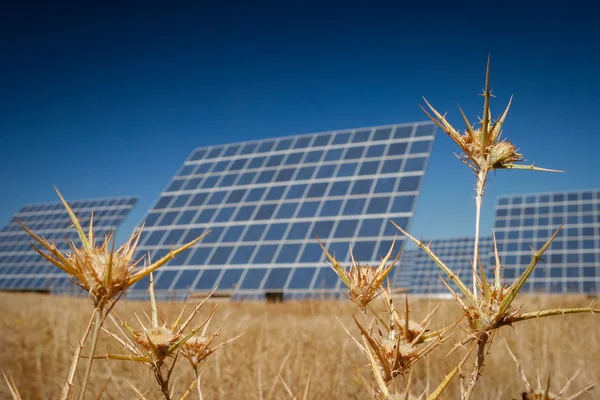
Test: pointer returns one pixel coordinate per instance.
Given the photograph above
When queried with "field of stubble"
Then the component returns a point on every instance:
(291, 339)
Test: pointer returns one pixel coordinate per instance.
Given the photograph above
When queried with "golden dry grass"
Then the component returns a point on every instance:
(39, 332)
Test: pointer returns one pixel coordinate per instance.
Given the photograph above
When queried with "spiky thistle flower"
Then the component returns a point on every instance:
(157, 344)
(483, 151)
(482, 146)
(105, 273)
(491, 307)
(543, 392)
(364, 282)
(411, 331)
(154, 343)
(382, 392)
(198, 347)
(494, 306)
(396, 346)
(98, 268)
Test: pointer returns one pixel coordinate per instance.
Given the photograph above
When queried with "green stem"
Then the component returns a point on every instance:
(97, 325)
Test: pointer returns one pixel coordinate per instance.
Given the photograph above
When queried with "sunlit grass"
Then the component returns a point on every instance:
(291, 339)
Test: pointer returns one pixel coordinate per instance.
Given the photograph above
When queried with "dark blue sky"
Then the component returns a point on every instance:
(104, 100)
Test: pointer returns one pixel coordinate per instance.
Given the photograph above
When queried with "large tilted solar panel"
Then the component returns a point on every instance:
(571, 262)
(21, 268)
(265, 200)
(421, 275)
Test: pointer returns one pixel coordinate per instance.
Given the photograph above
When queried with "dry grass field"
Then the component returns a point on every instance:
(291, 339)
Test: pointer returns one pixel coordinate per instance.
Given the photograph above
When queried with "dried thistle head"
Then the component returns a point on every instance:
(364, 282)
(389, 353)
(155, 343)
(156, 340)
(198, 347)
(482, 147)
(98, 268)
(101, 270)
(411, 331)
(493, 308)
(158, 344)
(543, 392)
(393, 349)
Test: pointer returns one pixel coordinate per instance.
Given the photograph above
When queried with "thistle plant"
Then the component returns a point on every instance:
(382, 391)
(158, 344)
(483, 150)
(393, 348)
(102, 271)
(198, 347)
(390, 340)
(542, 392)
(488, 306)
(364, 282)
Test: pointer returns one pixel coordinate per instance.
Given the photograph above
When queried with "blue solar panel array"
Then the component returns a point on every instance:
(571, 264)
(420, 275)
(265, 200)
(21, 268)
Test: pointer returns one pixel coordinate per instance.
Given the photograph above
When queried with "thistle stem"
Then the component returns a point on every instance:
(164, 388)
(76, 356)
(481, 178)
(161, 380)
(97, 325)
(198, 382)
(550, 313)
(482, 338)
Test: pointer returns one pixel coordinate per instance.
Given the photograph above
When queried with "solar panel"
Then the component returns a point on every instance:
(21, 268)
(265, 200)
(420, 275)
(571, 262)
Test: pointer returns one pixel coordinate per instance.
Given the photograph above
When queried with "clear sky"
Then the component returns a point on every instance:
(103, 100)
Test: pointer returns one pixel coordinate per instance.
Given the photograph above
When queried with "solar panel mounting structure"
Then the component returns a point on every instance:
(265, 200)
(419, 274)
(23, 269)
(571, 263)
